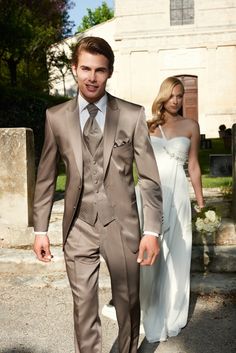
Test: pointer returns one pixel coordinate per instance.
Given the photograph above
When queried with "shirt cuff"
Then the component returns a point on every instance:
(147, 232)
(40, 233)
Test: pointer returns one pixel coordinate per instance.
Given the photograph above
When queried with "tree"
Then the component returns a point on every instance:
(58, 58)
(99, 15)
(27, 29)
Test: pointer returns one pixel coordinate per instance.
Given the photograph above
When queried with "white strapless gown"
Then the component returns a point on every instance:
(165, 286)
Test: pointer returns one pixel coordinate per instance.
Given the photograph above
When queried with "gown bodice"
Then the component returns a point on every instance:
(176, 147)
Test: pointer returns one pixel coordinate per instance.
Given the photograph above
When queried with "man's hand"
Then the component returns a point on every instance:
(148, 250)
(42, 248)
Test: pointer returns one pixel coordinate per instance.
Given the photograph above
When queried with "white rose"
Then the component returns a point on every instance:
(211, 215)
(208, 228)
(199, 224)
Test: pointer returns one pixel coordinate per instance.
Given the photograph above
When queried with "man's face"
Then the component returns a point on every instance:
(92, 72)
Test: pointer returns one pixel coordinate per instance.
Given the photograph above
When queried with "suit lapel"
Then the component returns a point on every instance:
(74, 131)
(112, 116)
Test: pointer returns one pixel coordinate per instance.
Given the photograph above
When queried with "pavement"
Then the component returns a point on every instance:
(36, 317)
(36, 308)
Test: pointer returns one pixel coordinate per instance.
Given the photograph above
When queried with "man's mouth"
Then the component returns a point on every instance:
(91, 88)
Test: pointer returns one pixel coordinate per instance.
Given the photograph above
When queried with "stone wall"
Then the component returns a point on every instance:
(17, 180)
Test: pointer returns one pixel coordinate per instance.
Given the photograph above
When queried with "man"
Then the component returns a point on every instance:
(98, 137)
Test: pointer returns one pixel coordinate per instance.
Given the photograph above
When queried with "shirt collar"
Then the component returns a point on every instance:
(101, 103)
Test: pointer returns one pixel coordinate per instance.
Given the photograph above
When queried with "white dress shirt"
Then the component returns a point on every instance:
(101, 114)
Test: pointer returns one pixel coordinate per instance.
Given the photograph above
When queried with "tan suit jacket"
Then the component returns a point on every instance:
(125, 139)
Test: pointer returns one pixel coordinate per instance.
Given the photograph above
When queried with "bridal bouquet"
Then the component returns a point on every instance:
(206, 220)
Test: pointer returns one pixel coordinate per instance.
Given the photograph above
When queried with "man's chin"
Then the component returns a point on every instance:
(92, 96)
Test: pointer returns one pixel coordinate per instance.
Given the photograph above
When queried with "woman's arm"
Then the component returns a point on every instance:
(193, 164)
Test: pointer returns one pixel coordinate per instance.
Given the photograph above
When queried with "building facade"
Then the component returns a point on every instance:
(194, 40)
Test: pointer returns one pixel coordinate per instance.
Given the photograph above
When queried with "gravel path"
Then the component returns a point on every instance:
(39, 320)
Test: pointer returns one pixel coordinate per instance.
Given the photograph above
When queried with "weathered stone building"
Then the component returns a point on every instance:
(153, 39)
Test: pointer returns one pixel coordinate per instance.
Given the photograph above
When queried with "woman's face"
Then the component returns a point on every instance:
(174, 103)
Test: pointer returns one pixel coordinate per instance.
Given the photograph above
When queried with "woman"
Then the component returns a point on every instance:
(165, 286)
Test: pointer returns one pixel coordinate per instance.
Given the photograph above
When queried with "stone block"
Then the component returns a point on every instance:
(17, 181)
(220, 165)
(17, 176)
(211, 258)
(15, 236)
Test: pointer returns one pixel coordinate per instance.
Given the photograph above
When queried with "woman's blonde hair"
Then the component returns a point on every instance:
(164, 94)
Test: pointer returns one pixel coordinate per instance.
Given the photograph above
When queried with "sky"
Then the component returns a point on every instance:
(80, 11)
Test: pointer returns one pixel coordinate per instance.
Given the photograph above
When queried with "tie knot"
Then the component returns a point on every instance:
(92, 109)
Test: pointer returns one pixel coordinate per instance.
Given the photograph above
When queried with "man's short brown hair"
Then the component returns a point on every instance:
(93, 45)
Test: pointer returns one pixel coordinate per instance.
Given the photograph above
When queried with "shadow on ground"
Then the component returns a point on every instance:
(20, 350)
(146, 347)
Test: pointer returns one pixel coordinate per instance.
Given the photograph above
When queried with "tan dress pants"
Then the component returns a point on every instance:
(82, 251)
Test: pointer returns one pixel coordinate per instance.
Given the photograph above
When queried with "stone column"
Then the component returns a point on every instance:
(234, 172)
(17, 181)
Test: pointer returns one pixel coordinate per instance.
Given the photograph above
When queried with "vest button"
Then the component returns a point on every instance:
(96, 181)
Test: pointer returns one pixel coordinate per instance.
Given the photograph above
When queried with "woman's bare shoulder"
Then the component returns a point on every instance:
(191, 123)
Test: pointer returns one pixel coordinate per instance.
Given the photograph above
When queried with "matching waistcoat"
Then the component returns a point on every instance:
(94, 201)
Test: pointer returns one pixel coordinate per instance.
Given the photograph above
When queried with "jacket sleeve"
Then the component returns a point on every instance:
(149, 181)
(46, 180)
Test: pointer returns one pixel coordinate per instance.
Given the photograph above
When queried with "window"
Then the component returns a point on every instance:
(181, 12)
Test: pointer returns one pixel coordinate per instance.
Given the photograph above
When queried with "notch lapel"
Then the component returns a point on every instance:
(74, 131)
(112, 116)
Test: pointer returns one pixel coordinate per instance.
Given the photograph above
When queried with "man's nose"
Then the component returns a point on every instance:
(92, 76)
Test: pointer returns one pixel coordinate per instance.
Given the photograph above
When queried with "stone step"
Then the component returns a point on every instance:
(213, 258)
(21, 266)
(207, 283)
(24, 261)
(226, 234)
(213, 283)
(217, 259)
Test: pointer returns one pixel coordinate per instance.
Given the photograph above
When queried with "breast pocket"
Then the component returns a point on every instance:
(123, 152)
